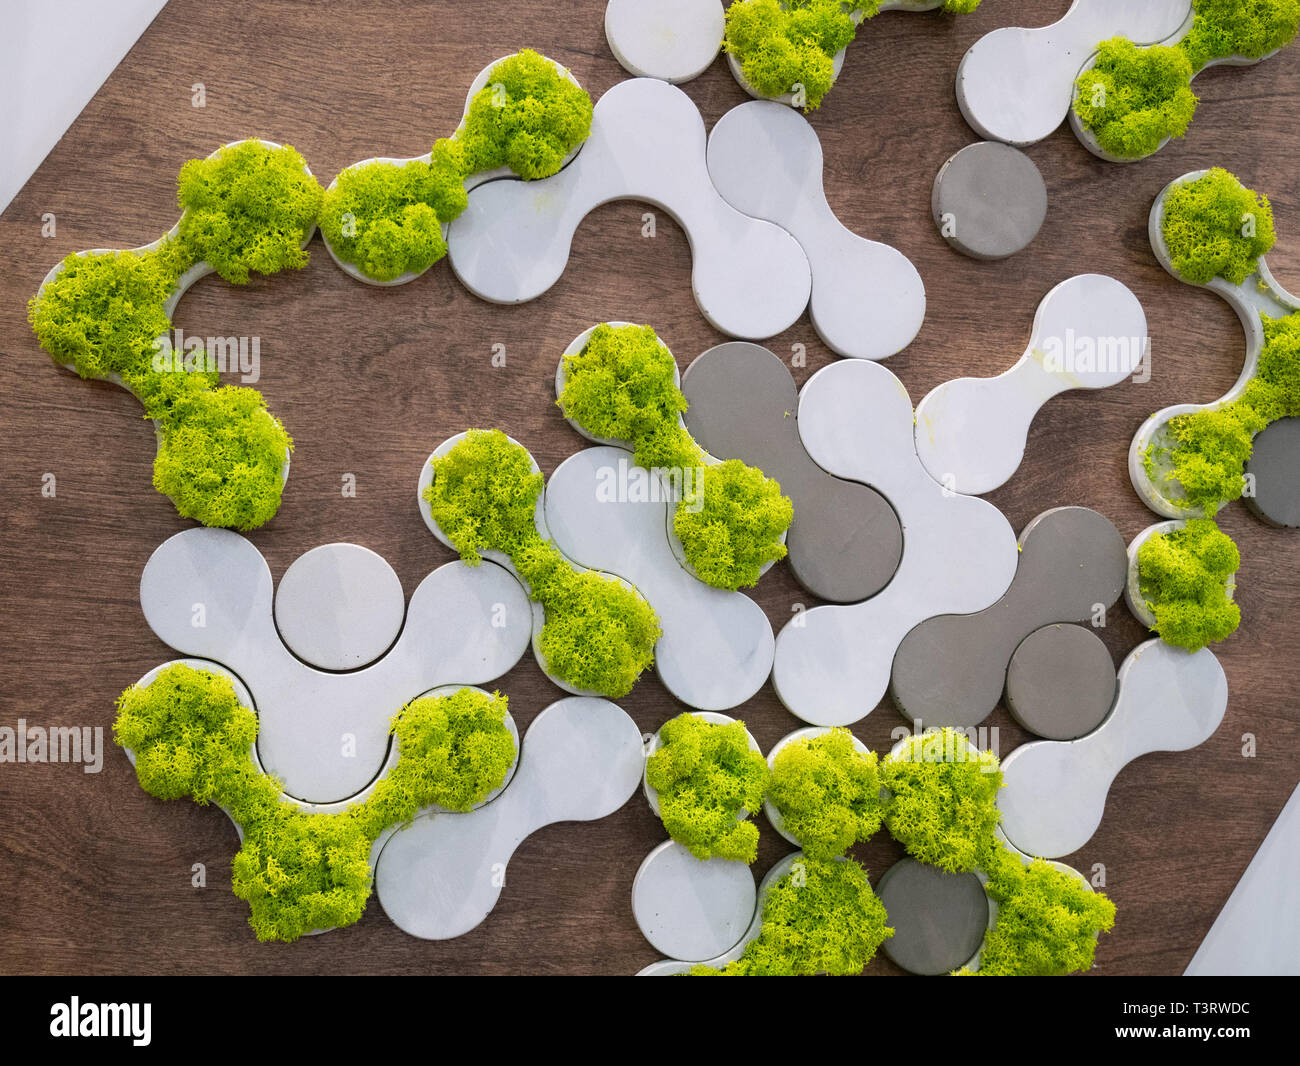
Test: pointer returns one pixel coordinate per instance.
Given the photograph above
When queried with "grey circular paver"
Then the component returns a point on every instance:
(989, 200)
(939, 919)
(1061, 682)
(1275, 467)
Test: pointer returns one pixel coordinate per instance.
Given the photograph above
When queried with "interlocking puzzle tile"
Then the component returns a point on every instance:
(1061, 682)
(1089, 333)
(845, 542)
(1274, 468)
(1259, 294)
(868, 301)
(1055, 794)
(833, 662)
(440, 877)
(606, 513)
(939, 919)
(951, 670)
(1016, 85)
(692, 910)
(1258, 931)
(673, 40)
(751, 279)
(989, 200)
(471, 182)
(208, 593)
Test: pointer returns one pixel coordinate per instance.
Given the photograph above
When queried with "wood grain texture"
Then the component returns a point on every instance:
(95, 875)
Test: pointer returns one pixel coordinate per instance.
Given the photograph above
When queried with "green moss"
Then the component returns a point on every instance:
(1216, 227)
(1182, 576)
(730, 517)
(821, 917)
(1251, 28)
(102, 312)
(942, 804)
(960, 7)
(378, 217)
(1274, 392)
(708, 779)
(828, 793)
(222, 456)
(303, 871)
(1047, 922)
(599, 634)
(528, 117)
(1134, 99)
(248, 207)
(782, 46)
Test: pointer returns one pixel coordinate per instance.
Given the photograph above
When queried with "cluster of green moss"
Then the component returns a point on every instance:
(1134, 99)
(708, 780)
(221, 457)
(599, 634)
(248, 207)
(387, 218)
(1216, 227)
(1183, 576)
(730, 517)
(1251, 28)
(820, 918)
(300, 871)
(1047, 923)
(942, 803)
(828, 793)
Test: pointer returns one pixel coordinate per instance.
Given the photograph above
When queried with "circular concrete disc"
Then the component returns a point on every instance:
(673, 40)
(1275, 466)
(846, 541)
(339, 606)
(1061, 682)
(989, 200)
(939, 919)
(689, 909)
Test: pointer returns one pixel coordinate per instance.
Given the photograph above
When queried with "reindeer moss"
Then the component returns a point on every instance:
(1216, 227)
(942, 804)
(1251, 28)
(599, 634)
(621, 386)
(248, 207)
(708, 780)
(1183, 576)
(222, 456)
(820, 918)
(1047, 922)
(1134, 99)
(528, 117)
(828, 793)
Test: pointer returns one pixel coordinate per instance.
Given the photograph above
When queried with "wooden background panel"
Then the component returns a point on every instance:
(95, 875)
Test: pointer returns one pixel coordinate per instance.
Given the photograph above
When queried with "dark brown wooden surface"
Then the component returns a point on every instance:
(95, 875)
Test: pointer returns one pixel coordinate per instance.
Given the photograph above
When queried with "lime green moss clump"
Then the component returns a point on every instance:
(1183, 577)
(730, 517)
(820, 918)
(1216, 227)
(1205, 455)
(599, 634)
(222, 457)
(1251, 28)
(383, 217)
(960, 7)
(782, 46)
(942, 804)
(1047, 923)
(302, 871)
(708, 779)
(828, 793)
(248, 207)
(528, 117)
(1134, 99)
